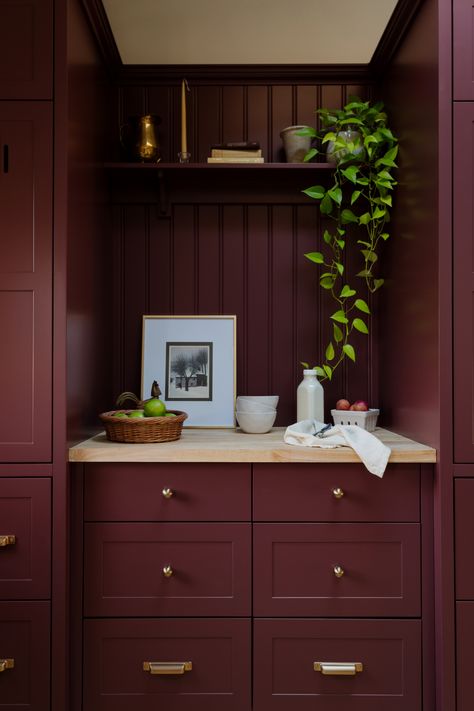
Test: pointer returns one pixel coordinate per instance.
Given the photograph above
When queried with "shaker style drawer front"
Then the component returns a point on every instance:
(139, 569)
(24, 656)
(337, 569)
(167, 492)
(464, 655)
(318, 492)
(177, 665)
(25, 530)
(337, 665)
(464, 537)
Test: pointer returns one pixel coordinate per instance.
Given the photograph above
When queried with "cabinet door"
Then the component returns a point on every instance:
(463, 45)
(463, 282)
(25, 281)
(26, 49)
(464, 655)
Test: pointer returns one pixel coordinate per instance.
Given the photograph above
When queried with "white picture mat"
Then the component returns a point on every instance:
(220, 330)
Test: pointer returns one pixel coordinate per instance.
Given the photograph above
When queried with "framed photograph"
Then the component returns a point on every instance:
(193, 358)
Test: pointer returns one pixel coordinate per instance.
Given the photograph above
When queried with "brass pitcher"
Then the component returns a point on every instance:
(139, 137)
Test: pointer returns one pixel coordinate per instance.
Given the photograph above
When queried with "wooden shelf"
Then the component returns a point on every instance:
(218, 166)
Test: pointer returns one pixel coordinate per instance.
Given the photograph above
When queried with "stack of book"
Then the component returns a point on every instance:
(236, 152)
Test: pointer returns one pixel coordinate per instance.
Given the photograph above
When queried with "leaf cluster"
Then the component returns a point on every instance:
(359, 203)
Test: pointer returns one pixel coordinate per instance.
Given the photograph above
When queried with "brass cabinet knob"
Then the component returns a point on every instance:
(168, 571)
(8, 540)
(6, 664)
(167, 492)
(337, 492)
(338, 571)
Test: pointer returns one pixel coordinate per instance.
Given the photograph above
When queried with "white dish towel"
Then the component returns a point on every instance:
(372, 452)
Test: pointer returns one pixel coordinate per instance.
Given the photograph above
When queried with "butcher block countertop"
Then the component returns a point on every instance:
(229, 445)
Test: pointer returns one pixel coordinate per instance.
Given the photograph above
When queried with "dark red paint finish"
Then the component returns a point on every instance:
(464, 537)
(464, 655)
(25, 512)
(285, 650)
(124, 569)
(294, 570)
(305, 492)
(218, 649)
(199, 492)
(463, 42)
(24, 637)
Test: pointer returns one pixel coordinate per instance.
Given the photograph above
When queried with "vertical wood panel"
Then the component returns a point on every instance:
(308, 293)
(209, 111)
(258, 301)
(233, 113)
(184, 261)
(159, 102)
(234, 281)
(208, 260)
(257, 118)
(306, 105)
(160, 265)
(282, 116)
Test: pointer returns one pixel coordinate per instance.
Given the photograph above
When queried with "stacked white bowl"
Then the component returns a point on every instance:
(256, 413)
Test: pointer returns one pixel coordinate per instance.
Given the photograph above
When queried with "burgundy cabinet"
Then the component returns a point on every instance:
(167, 492)
(337, 665)
(335, 492)
(463, 46)
(167, 569)
(464, 655)
(24, 656)
(359, 570)
(464, 538)
(26, 49)
(127, 665)
(25, 544)
(25, 279)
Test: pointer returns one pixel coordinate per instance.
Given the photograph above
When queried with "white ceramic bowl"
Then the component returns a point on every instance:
(245, 405)
(269, 400)
(256, 422)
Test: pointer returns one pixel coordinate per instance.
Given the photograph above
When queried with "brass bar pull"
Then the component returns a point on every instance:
(337, 492)
(338, 668)
(167, 492)
(167, 668)
(7, 541)
(6, 664)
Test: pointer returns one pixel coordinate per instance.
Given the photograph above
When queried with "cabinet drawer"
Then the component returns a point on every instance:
(24, 638)
(141, 492)
(337, 569)
(465, 655)
(125, 569)
(312, 492)
(285, 652)
(219, 651)
(25, 532)
(464, 532)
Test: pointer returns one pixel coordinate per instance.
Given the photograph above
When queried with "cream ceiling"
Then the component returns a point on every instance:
(247, 31)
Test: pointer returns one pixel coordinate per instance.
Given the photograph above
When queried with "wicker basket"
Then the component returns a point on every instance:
(365, 420)
(142, 430)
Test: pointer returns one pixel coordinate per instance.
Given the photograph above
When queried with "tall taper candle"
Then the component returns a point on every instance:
(184, 145)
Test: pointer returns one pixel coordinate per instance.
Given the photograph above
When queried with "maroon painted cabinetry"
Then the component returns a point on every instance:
(463, 43)
(26, 280)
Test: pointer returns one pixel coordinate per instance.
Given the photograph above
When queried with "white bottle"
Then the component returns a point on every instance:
(310, 398)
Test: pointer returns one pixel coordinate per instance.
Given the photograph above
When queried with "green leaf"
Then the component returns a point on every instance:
(363, 273)
(348, 216)
(341, 243)
(307, 131)
(341, 231)
(385, 236)
(378, 283)
(330, 136)
(339, 316)
(326, 282)
(317, 192)
(387, 199)
(319, 371)
(330, 352)
(305, 365)
(362, 306)
(362, 181)
(355, 195)
(328, 371)
(336, 195)
(391, 154)
(365, 218)
(371, 138)
(385, 175)
(369, 255)
(338, 335)
(346, 291)
(340, 268)
(326, 205)
(379, 212)
(327, 237)
(351, 173)
(360, 325)
(310, 154)
(315, 257)
(349, 351)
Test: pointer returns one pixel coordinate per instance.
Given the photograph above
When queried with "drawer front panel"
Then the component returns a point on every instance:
(193, 492)
(25, 533)
(125, 569)
(465, 655)
(337, 569)
(219, 650)
(464, 531)
(285, 652)
(24, 638)
(312, 492)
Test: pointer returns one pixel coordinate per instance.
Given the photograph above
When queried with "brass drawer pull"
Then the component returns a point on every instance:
(338, 668)
(337, 492)
(338, 571)
(7, 541)
(167, 668)
(6, 664)
(167, 492)
(168, 571)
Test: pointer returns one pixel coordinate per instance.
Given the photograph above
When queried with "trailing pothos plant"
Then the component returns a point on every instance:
(359, 203)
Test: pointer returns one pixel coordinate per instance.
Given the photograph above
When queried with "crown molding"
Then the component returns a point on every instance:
(397, 27)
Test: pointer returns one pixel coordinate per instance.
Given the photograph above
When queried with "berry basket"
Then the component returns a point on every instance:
(365, 420)
(142, 430)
